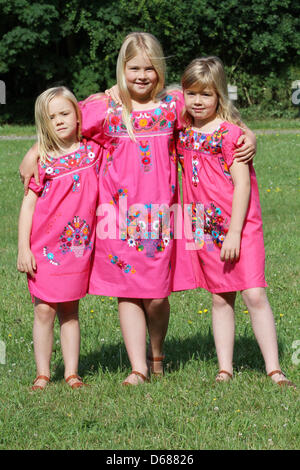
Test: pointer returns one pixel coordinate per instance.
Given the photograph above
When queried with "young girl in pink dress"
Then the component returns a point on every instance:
(138, 183)
(57, 230)
(225, 213)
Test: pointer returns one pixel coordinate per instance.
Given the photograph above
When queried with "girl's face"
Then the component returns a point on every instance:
(63, 119)
(141, 77)
(201, 105)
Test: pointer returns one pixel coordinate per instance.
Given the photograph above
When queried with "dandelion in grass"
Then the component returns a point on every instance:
(200, 312)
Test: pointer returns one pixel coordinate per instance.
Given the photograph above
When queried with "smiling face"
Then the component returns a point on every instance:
(201, 104)
(63, 119)
(141, 77)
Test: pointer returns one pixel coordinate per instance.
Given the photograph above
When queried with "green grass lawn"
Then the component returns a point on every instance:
(185, 409)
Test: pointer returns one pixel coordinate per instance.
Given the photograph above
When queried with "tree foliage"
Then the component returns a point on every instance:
(76, 43)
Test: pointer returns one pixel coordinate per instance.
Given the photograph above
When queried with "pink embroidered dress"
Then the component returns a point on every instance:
(136, 254)
(63, 228)
(208, 190)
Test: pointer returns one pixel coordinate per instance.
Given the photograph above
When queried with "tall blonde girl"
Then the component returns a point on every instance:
(229, 246)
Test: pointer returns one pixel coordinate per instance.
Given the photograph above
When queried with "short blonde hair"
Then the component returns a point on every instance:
(47, 139)
(132, 45)
(208, 72)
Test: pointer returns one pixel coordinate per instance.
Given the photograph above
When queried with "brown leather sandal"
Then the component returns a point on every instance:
(220, 379)
(156, 360)
(39, 387)
(78, 384)
(139, 374)
(284, 382)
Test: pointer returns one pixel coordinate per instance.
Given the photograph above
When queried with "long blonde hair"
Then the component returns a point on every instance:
(208, 72)
(132, 45)
(47, 139)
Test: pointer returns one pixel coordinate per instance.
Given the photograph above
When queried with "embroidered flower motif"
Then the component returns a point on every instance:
(76, 237)
(50, 256)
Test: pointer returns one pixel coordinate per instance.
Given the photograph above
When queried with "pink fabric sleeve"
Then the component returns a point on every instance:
(93, 114)
(229, 142)
(178, 95)
(38, 188)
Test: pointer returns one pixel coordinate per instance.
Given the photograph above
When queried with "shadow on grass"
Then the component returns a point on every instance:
(113, 357)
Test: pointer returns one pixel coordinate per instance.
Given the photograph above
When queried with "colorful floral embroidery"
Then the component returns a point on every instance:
(172, 150)
(125, 267)
(147, 230)
(118, 195)
(159, 119)
(145, 155)
(192, 140)
(76, 183)
(76, 237)
(50, 256)
(214, 224)
(46, 188)
(195, 212)
(195, 163)
(225, 168)
(58, 166)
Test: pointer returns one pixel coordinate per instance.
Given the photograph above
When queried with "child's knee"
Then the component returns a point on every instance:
(220, 301)
(255, 298)
(44, 313)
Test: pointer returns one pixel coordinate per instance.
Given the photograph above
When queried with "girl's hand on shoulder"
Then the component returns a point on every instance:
(246, 148)
(26, 262)
(114, 94)
(230, 250)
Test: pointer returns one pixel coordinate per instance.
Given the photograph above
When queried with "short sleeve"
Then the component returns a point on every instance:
(93, 115)
(179, 99)
(38, 188)
(231, 134)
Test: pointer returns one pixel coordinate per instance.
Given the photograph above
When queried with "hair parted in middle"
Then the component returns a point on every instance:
(47, 139)
(208, 72)
(133, 44)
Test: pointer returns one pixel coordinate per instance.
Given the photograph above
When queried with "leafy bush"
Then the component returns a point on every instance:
(76, 43)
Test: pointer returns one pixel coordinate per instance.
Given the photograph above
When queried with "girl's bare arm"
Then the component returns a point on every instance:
(26, 261)
(241, 179)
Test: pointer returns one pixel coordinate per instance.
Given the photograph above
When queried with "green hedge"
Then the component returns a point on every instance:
(76, 43)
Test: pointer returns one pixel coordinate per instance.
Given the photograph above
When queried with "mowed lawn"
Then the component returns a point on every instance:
(185, 409)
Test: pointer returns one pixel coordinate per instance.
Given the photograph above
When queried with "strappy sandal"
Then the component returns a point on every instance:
(220, 379)
(139, 374)
(155, 361)
(78, 384)
(285, 382)
(39, 387)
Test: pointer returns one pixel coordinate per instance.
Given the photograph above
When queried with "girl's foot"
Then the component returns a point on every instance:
(75, 381)
(156, 365)
(40, 382)
(223, 376)
(280, 379)
(135, 378)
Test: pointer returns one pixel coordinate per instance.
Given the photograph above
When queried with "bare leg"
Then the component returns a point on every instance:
(43, 326)
(223, 330)
(264, 327)
(134, 329)
(157, 316)
(70, 337)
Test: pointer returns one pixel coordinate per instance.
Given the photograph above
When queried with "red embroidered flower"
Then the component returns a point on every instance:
(115, 120)
(170, 116)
